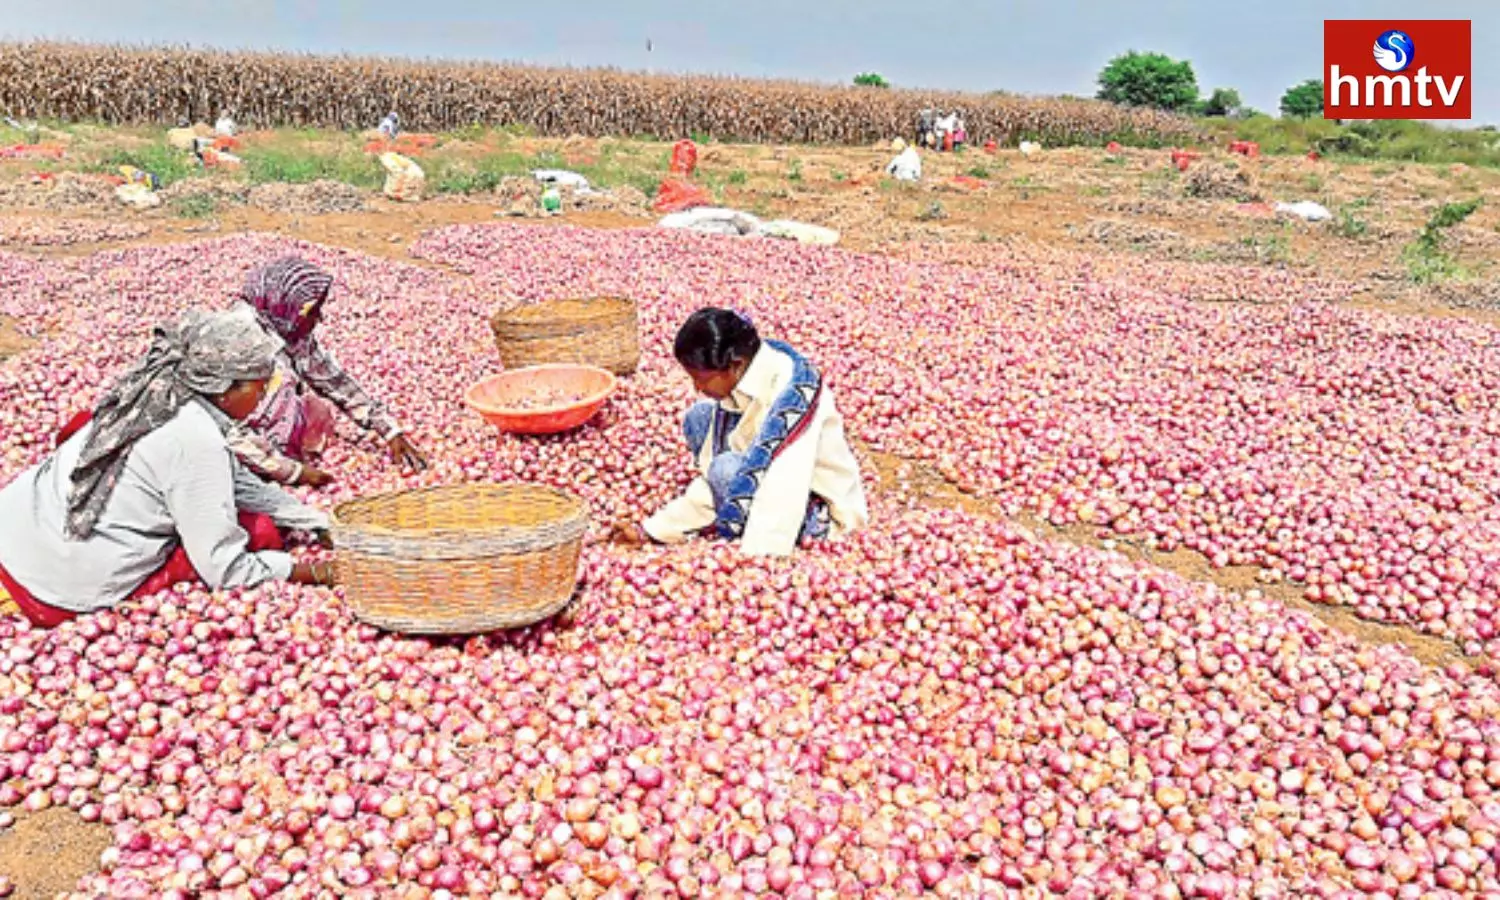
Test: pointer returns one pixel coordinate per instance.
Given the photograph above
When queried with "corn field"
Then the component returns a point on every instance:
(160, 86)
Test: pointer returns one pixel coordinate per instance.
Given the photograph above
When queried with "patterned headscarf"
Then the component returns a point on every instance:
(201, 353)
(285, 293)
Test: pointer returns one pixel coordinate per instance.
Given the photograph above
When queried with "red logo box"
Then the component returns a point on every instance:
(1396, 69)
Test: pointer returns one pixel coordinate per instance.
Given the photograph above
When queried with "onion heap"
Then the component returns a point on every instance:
(27, 231)
(942, 703)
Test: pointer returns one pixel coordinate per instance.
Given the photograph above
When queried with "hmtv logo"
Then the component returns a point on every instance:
(1411, 69)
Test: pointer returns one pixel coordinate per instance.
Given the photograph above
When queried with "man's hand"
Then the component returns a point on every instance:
(405, 454)
(314, 477)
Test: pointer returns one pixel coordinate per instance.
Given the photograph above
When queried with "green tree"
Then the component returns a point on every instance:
(1304, 100)
(1149, 79)
(871, 79)
(1222, 102)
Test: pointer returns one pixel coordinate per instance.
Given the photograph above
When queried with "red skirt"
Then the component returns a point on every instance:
(264, 535)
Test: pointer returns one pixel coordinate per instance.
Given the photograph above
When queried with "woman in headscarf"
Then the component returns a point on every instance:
(288, 296)
(145, 493)
(774, 467)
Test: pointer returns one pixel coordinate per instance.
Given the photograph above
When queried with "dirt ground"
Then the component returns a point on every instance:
(45, 854)
(1146, 209)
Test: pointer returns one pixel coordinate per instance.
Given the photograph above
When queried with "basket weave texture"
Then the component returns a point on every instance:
(459, 559)
(603, 332)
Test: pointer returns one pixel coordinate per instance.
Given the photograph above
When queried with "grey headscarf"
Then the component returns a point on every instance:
(202, 353)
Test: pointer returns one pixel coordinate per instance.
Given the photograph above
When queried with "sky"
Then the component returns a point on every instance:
(1259, 47)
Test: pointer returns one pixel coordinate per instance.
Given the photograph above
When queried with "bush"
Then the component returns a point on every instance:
(1222, 102)
(871, 79)
(1149, 79)
(1304, 100)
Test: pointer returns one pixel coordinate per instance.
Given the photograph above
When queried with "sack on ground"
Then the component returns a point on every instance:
(907, 166)
(404, 179)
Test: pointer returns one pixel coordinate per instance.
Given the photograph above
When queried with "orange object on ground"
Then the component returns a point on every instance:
(968, 181)
(1245, 148)
(1113, 147)
(684, 158)
(676, 195)
(33, 151)
(991, 147)
(1183, 158)
(541, 399)
(404, 144)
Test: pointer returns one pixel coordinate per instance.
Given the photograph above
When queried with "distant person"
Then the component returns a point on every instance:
(142, 493)
(390, 126)
(774, 465)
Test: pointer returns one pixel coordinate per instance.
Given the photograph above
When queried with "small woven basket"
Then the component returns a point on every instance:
(603, 332)
(459, 559)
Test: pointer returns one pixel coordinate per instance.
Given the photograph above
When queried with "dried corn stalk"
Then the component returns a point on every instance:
(135, 86)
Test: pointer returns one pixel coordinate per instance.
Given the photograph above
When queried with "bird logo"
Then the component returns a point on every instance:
(1393, 50)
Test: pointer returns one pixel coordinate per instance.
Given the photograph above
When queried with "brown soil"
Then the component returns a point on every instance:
(11, 340)
(46, 853)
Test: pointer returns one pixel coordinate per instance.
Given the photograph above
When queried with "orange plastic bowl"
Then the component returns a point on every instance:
(541, 399)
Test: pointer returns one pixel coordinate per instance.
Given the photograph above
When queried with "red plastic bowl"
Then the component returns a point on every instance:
(518, 400)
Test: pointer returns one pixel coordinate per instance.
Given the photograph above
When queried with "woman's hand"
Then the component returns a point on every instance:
(405, 454)
(630, 534)
(314, 477)
(319, 573)
(324, 538)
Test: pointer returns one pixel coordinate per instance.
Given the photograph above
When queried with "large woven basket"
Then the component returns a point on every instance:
(459, 559)
(603, 332)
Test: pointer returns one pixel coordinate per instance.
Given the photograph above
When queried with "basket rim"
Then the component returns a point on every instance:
(593, 308)
(577, 512)
(595, 399)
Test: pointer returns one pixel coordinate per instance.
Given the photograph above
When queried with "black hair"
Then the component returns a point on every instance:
(713, 340)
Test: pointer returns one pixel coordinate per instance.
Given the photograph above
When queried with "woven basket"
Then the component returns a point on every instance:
(603, 332)
(459, 559)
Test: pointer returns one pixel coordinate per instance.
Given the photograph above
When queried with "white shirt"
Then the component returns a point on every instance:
(819, 462)
(180, 484)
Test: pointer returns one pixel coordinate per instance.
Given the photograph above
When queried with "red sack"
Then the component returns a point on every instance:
(991, 147)
(684, 158)
(1183, 158)
(676, 195)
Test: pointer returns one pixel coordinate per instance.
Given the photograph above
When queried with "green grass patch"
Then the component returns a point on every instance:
(738, 178)
(460, 175)
(1396, 140)
(195, 206)
(167, 164)
(276, 162)
(1425, 259)
(1350, 223)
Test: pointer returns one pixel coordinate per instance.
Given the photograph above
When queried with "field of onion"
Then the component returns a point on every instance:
(942, 703)
(135, 86)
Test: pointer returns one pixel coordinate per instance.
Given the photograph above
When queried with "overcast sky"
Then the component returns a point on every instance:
(1259, 47)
